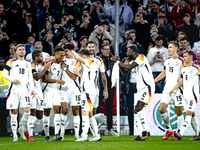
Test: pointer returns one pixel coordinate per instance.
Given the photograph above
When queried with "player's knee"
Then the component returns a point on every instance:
(64, 111)
(137, 109)
(39, 117)
(33, 112)
(179, 112)
(162, 110)
(14, 111)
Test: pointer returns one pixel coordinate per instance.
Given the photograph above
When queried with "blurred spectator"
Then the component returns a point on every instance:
(140, 25)
(48, 42)
(29, 46)
(105, 55)
(3, 97)
(27, 27)
(196, 46)
(83, 41)
(97, 37)
(34, 9)
(131, 40)
(134, 4)
(197, 19)
(45, 13)
(13, 16)
(178, 12)
(127, 30)
(189, 28)
(179, 36)
(156, 57)
(63, 28)
(155, 9)
(163, 26)
(108, 42)
(2, 10)
(98, 12)
(83, 5)
(194, 6)
(11, 51)
(73, 11)
(126, 16)
(168, 5)
(4, 43)
(14, 38)
(111, 29)
(86, 26)
(184, 46)
(47, 27)
(38, 46)
(198, 58)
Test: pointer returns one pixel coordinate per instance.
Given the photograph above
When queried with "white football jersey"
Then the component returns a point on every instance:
(100, 68)
(143, 74)
(173, 69)
(190, 77)
(55, 72)
(37, 84)
(132, 73)
(71, 64)
(89, 77)
(22, 71)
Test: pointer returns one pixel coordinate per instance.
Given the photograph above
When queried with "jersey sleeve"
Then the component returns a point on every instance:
(140, 60)
(88, 62)
(49, 61)
(9, 64)
(101, 68)
(165, 64)
(33, 67)
(198, 70)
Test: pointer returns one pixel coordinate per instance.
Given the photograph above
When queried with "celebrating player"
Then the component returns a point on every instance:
(172, 71)
(38, 71)
(100, 68)
(20, 76)
(52, 93)
(71, 94)
(190, 81)
(145, 87)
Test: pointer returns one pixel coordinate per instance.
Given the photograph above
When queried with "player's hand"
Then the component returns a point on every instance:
(105, 93)
(33, 94)
(171, 92)
(47, 66)
(52, 58)
(63, 65)
(16, 81)
(61, 82)
(126, 61)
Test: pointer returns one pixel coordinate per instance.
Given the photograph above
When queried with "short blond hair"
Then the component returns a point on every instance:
(19, 45)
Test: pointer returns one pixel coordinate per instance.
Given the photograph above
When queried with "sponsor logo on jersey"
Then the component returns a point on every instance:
(17, 65)
(172, 115)
(54, 68)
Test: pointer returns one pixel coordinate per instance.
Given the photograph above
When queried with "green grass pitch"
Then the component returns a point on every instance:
(108, 142)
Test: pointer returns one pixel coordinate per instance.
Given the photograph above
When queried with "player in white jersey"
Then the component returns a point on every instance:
(70, 92)
(88, 93)
(20, 84)
(99, 69)
(145, 87)
(38, 71)
(190, 82)
(172, 71)
(52, 93)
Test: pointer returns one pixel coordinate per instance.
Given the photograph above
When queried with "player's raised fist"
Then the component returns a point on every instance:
(16, 81)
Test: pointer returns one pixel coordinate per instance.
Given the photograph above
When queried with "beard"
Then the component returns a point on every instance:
(130, 58)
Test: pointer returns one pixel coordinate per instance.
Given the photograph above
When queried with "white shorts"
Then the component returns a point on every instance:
(52, 98)
(145, 94)
(177, 97)
(87, 102)
(37, 102)
(71, 96)
(16, 100)
(190, 104)
(96, 99)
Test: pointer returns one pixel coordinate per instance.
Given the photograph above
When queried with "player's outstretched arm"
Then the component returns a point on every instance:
(69, 73)
(104, 80)
(124, 71)
(160, 76)
(180, 83)
(39, 75)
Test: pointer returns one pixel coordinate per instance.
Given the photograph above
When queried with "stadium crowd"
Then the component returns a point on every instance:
(149, 24)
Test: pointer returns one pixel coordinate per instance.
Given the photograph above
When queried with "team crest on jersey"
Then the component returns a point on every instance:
(44, 103)
(168, 63)
(183, 72)
(26, 65)
(191, 70)
(11, 105)
(176, 64)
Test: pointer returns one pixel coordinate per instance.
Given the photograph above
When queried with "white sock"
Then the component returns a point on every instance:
(36, 122)
(24, 119)
(56, 123)
(13, 123)
(185, 125)
(195, 125)
(46, 125)
(30, 125)
(143, 120)
(138, 124)
(85, 125)
(63, 119)
(76, 121)
(180, 121)
(166, 120)
(93, 126)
